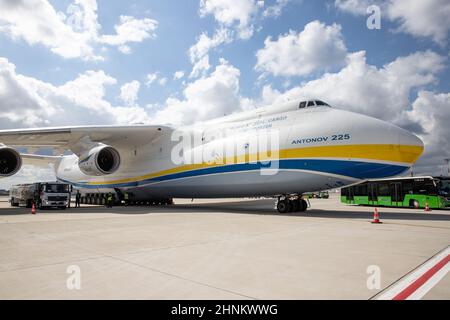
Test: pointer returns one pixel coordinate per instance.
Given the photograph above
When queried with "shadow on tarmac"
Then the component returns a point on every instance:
(258, 207)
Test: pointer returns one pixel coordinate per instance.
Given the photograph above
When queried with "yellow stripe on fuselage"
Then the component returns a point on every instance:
(378, 152)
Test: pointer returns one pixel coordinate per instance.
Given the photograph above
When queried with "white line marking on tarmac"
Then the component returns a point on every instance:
(420, 281)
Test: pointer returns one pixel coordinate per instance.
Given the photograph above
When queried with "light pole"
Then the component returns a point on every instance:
(447, 161)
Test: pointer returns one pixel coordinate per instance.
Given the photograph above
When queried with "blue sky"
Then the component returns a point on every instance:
(89, 62)
(179, 25)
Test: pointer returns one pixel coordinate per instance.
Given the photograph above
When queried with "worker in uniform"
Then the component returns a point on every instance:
(126, 198)
(37, 199)
(78, 199)
(109, 200)
(69, 200)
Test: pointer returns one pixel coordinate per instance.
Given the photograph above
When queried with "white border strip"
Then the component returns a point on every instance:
(421, 291)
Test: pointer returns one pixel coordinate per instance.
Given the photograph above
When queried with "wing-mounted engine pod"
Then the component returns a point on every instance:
(10, 161)
(99, 161)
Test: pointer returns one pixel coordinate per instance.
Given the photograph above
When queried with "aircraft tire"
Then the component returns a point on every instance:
(303, 205)
(295, 205)
(283, 206)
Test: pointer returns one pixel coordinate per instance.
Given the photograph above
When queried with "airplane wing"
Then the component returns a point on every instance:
(70, 138)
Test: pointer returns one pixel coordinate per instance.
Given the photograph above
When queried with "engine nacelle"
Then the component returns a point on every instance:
(10, 161)
(99, 161)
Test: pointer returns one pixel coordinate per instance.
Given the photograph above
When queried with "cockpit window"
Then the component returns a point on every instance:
(302, 105)
(310, 103)
(321, 103)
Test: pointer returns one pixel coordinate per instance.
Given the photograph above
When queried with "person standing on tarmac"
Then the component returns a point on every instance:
(126, 198)
(37, 199)
(78, 199)
(109, 200)
(69, 200)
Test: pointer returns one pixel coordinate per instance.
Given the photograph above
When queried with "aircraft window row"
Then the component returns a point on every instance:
(311, 103)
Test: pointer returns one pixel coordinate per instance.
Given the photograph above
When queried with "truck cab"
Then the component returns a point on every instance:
(42, 194)
(52, 194)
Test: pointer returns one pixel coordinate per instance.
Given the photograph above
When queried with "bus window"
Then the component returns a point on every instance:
(383, 190)
(344, 192)
(396, 192)
(361, 190)
(425, 187)
(444, 188)
(372, 192)
(407, 188)
(351, 191)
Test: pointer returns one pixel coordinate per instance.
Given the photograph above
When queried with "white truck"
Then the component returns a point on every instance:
(43, 194)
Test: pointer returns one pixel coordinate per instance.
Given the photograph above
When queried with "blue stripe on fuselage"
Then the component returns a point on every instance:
(352, 169)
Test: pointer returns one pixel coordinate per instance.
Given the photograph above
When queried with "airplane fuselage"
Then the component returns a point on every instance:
(317, 148)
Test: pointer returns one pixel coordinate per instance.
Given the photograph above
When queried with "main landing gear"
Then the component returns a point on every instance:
(291, 204)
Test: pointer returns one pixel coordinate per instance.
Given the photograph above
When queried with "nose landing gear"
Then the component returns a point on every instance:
(291, 204)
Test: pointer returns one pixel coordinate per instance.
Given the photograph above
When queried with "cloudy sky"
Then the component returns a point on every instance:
(75, 62)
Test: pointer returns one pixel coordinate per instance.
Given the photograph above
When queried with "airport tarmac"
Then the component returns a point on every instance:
(234, 249)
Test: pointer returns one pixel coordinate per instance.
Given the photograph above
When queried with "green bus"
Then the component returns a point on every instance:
(413, 192)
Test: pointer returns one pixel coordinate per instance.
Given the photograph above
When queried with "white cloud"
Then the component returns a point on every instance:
(77, 102)
(74, 34)
(124, 49)
(431, 112)
(204, 43)
(150, 78)
(318, 47)
(232, 13)
(178, 75)
(205, 98)
(379, 92)
(422, 18)
(200, 67)
(199, 52)
(276, 9)
(416, 17)
(129, 92)
(162, 81)
(236, 19)
(155, 77)
(356, 7)
(37, 22)
(131, 29)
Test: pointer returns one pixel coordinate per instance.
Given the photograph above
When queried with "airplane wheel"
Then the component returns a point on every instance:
(303, 205)
(295, 205)
(283, 206)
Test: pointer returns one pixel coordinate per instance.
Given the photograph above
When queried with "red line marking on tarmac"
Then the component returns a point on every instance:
(409, 290)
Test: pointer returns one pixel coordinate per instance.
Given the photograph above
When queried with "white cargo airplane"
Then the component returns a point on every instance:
(318, 148)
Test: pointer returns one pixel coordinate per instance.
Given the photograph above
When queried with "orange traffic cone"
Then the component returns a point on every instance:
(33, 209)
(376, 217)
(427, 207)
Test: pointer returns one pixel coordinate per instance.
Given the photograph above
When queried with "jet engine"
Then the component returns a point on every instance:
(99, 161)
(10, 161)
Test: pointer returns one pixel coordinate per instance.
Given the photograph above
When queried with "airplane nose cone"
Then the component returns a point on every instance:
(380, 140)
(410, 145)
(406, 138)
